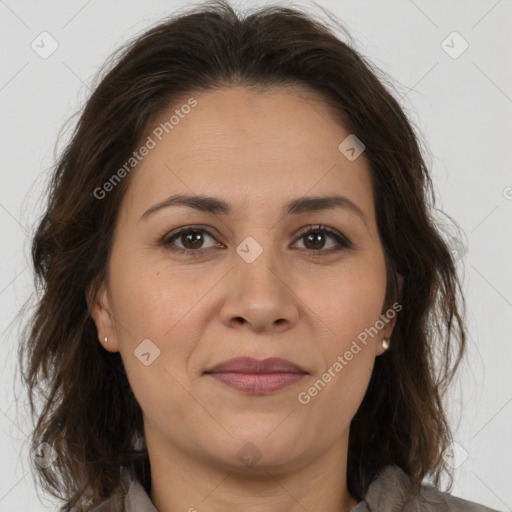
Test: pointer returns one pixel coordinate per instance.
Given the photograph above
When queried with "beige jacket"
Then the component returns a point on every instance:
(389, 492)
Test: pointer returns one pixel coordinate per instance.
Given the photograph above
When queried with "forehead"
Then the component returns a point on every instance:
(237, 143)
(259, 123)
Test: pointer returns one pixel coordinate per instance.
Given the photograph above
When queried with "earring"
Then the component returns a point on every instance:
(106, 339)
(385, 344)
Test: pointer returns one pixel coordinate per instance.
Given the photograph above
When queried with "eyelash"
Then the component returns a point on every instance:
(343, 242)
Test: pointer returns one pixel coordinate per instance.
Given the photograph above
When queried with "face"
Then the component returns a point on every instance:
(247, 278)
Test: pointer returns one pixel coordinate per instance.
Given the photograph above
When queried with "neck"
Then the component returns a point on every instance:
(183, 482)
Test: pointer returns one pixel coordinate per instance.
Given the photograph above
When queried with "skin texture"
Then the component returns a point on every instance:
(256, 151)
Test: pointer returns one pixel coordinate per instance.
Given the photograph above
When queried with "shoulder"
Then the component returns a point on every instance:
(129, 496)
(392, 491)
(115, 503)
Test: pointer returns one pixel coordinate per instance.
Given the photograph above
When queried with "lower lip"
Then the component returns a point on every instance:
(257, 383)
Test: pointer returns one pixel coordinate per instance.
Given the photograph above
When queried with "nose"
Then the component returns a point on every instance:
(260, 296)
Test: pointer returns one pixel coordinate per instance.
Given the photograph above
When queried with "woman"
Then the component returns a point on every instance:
(243, 288)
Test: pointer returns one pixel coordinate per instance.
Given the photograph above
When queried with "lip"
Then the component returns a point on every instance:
(252, 365)
(256, 376)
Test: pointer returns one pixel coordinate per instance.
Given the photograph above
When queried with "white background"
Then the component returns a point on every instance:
(462, 108)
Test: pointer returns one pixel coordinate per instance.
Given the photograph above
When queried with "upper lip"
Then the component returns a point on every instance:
(251, 365)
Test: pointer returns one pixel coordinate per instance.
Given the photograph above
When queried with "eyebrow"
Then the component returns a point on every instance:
(297, 206)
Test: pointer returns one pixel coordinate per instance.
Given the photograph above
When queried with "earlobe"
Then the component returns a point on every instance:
(101, 313)
(383, 345)
(383, 342)
(389, 317)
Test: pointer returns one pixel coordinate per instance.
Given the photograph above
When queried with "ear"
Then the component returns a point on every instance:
(386, 331)
(100, 310)
(388, 317)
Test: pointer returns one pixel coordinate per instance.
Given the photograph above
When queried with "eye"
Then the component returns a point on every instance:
(192, 239)
(315, 240)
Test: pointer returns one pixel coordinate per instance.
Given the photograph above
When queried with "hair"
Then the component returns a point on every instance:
(89, 413)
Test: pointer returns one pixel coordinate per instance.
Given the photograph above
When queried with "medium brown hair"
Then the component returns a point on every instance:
(89, 414)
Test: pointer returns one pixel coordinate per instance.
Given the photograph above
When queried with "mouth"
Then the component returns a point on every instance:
(255, 376)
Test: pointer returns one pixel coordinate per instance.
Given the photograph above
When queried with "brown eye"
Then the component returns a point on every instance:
(315, 240)
(191, 239)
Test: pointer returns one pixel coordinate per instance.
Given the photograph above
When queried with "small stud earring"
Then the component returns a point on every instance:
(385, 344)
(106, 339)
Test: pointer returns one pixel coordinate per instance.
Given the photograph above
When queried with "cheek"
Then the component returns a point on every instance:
(348, 307)
(151, 304)
(153, 297)
(348, 301)
(346, 347)
(157, 373)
